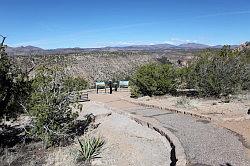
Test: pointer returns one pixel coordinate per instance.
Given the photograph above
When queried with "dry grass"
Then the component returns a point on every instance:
(184, 102)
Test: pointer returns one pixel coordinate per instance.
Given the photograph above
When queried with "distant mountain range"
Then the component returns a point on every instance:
(31, 50)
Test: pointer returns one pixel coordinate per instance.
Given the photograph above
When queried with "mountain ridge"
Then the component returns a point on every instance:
(31, 50)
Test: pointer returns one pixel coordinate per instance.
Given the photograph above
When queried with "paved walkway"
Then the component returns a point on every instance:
(204, 143)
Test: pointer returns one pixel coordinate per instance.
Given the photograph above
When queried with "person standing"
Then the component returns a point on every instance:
(110, 86)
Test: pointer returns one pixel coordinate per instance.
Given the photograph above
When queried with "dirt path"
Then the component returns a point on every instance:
(204, 142)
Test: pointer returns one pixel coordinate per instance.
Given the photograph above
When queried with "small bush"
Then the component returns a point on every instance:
(90, 148)
(154, 79)
(49, 106)
(183, 102)
(134, 90)
(246, 78)
(218, 74)
(71, 84)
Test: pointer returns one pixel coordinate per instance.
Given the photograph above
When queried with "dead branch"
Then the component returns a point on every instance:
(2, 40)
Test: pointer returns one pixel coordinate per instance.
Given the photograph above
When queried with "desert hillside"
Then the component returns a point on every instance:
(110, 62)
(105, 65)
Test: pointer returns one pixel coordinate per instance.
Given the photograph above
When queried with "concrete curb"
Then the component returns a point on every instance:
(170, 109)
(178, 156)
(177, 153)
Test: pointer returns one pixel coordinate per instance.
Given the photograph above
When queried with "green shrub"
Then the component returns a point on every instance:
(71, 84)
(154, 79)
(246, 58)
(247, 55)
(218, 74)
(134, 90)
(49, 106)
(90, 148)
(14, 87)
(183, 79)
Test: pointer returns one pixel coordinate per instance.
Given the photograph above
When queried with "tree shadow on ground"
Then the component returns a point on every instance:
(11, 136)
(226, 164)
(17, 149)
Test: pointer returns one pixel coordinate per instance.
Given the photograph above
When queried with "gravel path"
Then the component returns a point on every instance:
(204, 143)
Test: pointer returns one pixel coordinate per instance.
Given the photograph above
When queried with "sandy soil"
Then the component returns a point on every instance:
(213, 108)
(235, 110)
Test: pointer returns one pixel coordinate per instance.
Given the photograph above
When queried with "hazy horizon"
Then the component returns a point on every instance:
(122, 45)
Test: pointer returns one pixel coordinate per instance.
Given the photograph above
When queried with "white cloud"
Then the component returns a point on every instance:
(177, 41)
(33, 43)
(125, 43)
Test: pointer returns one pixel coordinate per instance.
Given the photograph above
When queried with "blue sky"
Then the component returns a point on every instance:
(97, 23)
